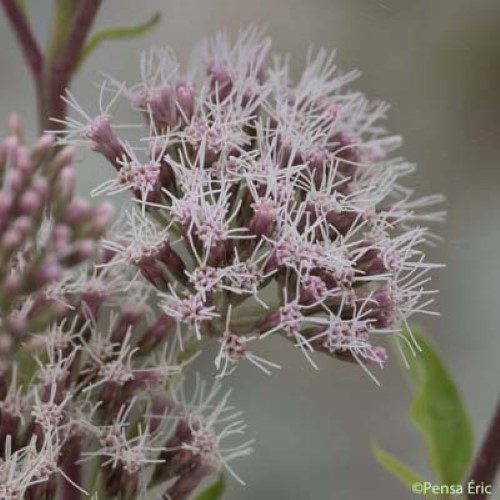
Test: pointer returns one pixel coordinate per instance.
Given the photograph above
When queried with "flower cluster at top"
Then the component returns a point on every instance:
(249, 186)
(259, 206)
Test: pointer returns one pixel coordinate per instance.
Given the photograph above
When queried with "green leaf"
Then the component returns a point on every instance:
(438, 412)
(397, 468)
(213, 491)
(117, 34)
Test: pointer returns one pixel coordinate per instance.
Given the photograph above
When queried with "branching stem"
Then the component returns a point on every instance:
(52, 74)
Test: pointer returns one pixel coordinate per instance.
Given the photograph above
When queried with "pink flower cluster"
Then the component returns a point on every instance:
(45, 232)
(260, 206)
(250, 186)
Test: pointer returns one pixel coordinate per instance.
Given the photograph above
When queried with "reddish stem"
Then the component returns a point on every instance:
(487, 461)
(24, 35)
(30, 49)
(51, 82)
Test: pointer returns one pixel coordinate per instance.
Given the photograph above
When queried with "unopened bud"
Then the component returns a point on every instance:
(66, 183)
(185, 97)
(77, 212)
(101, 217)
(30, 202)
(64, 158)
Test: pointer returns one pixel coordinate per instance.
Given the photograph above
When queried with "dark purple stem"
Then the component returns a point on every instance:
(52, 77)
(24, 35)
(30, 48)
(487, 462)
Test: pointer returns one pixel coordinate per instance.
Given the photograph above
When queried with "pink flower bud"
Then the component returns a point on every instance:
(43, 145)
(77, 253)
(64, 158)
(13, 181)
(47, 272)
(162, 105)
(185, 93)
(159, 407)
(103, 139)
(61, 234)
(77, 212)
(12, 239)
(101, 217)
(156, 333)
(172, 260)
(30, 202)
(66, 183)
(152, 272)
(23, 224)
(84, 249)
(40, 186)
(23, 162)
(188, 482)
(131, 314)
(314, 290)
(263, 219)
(220, 79)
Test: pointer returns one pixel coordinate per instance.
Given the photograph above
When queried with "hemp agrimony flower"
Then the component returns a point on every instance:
(45, 233)
(260, 207)
(246, 181)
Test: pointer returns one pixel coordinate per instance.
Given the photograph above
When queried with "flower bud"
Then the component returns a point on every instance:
(42, 146)
(188, 482)
(47, 272)
(104, 140)
(77, 253)
(263, 218)
(64, 158)
(77, 212)
(156, 333)
(30, 202)
(66, 183)
(185, 94)
(101, 217)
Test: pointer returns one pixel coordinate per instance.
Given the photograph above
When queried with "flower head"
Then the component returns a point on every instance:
(209, 425)
(271, 181)
(261, 205)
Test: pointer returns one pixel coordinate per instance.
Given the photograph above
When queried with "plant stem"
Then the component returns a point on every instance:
(31, 51)
(487, 461)
(25, 37)
(65, 60)
(63, 12)
(73, 470)
(52, 74)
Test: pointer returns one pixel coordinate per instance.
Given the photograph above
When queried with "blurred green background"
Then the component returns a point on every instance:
(438, 63)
